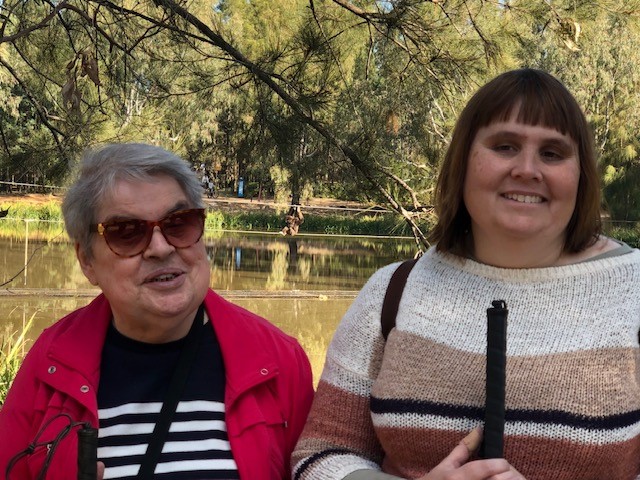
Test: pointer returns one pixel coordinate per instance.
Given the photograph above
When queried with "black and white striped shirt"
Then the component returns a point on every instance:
(134, 378)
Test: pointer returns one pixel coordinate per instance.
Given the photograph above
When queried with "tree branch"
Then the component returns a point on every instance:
(302, 112)
(39, 109)
(43, 23)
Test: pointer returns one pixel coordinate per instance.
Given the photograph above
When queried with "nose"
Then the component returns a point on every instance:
(158, 246)
(527, 165)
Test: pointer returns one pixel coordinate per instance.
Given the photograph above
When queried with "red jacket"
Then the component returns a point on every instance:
(267, 397)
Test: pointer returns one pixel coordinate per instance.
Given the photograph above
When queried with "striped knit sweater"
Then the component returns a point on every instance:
(573, 365)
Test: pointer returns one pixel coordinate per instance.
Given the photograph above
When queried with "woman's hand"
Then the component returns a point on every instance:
(455, 466)
(100, 471)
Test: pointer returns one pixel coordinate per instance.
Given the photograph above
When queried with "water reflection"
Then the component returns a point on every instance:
(275, 272)
(247, 262)
(271, 263)
(311, 320)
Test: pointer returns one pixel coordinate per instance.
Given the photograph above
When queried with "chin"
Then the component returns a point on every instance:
(174, 307)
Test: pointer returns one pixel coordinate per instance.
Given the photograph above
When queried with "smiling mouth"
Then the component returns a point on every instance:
(163, 278)
(524, 198)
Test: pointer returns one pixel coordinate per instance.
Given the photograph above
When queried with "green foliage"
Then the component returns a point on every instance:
(40, 221)
(257, 84)
(267, 222)
(628, 233)
(280, 177)
(214, 221)
(383, 224)
(621, 193)
(347, 224)
(43, 211)
(49, 231)
(12, 351)
(47, 222)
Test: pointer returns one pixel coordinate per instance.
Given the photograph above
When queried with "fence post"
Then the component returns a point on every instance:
(26, 247)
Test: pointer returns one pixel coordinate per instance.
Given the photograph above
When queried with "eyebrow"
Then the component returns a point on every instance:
(553, 141)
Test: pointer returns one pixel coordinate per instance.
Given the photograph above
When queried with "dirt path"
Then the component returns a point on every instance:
(35, 198)
(222, 203)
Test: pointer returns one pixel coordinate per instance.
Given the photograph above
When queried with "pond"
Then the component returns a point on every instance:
(303, 284)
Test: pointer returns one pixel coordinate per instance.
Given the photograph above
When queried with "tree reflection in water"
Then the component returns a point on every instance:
(303, 263)
(303, 285)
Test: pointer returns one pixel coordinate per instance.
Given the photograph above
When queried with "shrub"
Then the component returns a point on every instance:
(630, 234)
(12, 350)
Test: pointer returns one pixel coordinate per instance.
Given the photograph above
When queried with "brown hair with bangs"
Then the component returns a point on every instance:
(541, 100)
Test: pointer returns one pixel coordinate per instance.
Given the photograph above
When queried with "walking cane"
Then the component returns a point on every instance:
(493, 436)
(87, 453)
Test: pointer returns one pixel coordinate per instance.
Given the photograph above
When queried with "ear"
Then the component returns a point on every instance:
(86, 264)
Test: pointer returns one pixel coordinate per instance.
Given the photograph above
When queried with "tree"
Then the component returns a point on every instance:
(597, 59)
(337, 89)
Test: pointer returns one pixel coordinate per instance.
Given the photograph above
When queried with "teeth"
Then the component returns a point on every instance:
(524, 198)
(164, 278)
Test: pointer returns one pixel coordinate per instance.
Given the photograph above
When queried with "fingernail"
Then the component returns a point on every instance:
(472, 440)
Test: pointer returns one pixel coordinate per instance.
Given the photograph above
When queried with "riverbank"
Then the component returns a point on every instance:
(223, 203)
(322, 215)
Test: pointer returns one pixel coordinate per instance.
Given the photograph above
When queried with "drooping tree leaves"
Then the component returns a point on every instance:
(355, 98)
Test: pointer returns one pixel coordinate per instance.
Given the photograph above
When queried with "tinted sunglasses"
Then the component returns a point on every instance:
(128, 238)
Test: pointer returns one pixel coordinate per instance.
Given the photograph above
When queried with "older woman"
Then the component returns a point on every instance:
(518, 202)
(179, 381)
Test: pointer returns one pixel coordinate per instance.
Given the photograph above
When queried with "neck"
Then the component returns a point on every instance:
(155, 329)
(534, 253)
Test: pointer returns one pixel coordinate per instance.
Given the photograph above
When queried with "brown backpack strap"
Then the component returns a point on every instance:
(393, 295)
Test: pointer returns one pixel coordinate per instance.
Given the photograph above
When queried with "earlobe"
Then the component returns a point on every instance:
(86, 265)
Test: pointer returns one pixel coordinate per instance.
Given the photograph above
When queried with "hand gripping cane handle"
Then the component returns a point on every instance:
(493, 436)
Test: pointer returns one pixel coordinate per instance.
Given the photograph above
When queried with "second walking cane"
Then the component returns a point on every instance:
(493, 436)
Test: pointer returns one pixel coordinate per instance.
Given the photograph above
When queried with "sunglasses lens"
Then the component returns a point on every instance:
(183, 229)
(126, 237)
(131, 237)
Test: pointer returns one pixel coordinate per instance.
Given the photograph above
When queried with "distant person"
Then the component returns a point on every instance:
(293, 220)
(242, 388)
(210, 186)
(518, 203)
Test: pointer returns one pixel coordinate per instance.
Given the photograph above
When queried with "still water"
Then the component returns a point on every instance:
(303, 284)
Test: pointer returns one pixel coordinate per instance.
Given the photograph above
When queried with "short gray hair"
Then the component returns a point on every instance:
(103, 167)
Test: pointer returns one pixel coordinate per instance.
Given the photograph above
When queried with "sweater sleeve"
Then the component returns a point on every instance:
(370, 475)
(339, 436)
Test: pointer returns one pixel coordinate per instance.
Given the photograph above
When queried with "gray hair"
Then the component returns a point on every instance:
(103, 167)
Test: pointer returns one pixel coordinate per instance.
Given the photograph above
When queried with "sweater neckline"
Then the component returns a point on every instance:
(624, 256)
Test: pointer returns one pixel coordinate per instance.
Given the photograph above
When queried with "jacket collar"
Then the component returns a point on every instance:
(80, 337)
(248, 358)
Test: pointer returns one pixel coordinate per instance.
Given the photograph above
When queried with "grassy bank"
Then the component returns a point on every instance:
(13, 347)
(44, 221)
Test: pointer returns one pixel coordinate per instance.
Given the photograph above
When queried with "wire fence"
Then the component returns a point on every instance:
(26, 188)
(22, 187)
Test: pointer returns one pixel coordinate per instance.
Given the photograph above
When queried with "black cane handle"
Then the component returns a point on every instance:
(87, 453)
(493, 436)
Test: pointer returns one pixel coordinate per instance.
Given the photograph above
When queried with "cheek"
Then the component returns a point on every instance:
(475, 160)
(199, 261)
(568, 184)
(475, 174)
(478, 168)
(119, 275)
